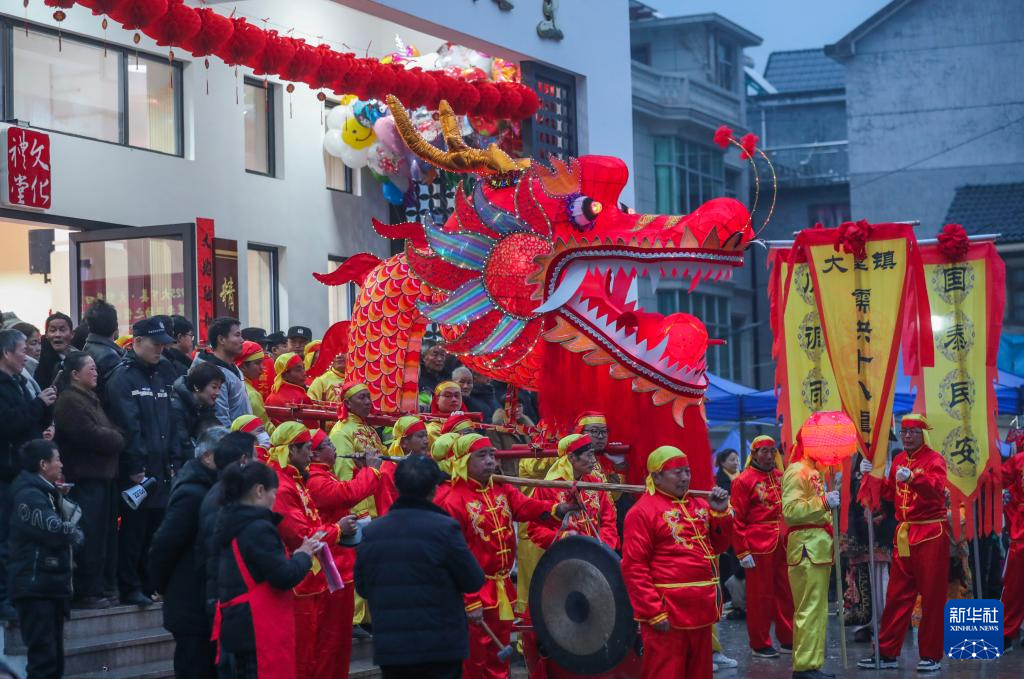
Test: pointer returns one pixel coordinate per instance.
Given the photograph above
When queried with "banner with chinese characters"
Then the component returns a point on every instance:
(966, 297)
(225, 276)
(865, 287)
(26, 171)
(804, 374)
(204, 276)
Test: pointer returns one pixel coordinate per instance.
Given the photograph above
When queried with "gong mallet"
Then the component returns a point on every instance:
(505, 651)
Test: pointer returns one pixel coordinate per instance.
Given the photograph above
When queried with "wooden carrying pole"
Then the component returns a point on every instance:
(582, 485)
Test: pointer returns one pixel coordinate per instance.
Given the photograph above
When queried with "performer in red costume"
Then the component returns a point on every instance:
(670, 569)
(920, 565)
(334, 500)
(1013, 579)
(486, 510)
(290, 458)
(289, 386)
(410, 439)
(759, 540)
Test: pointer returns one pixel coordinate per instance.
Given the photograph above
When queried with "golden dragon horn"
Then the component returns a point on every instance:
(459, 157)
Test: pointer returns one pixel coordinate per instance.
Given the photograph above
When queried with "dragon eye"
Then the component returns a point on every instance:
(583, 211)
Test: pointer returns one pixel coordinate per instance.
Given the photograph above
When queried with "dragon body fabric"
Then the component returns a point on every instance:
(533, 281)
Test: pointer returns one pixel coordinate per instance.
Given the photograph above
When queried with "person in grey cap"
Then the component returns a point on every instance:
(173, 566)
(139, 403)
(298, 337)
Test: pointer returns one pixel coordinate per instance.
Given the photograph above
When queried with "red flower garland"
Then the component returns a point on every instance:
(953, 242)
(60, 4)
(749, 144)
(214, 31)
(852, 237)
(722, 136)
(238, 42)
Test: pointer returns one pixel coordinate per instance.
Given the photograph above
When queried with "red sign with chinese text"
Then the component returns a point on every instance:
(204, 274)
(27, 183)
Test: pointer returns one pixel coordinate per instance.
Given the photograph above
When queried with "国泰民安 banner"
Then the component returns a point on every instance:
(966, 297)
(865, 301)
(803, 371)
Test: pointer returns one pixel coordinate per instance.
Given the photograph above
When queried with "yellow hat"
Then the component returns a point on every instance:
(286, 434)
(662, 459)
(461, 451)
(562, 468)
(404, 426)
(442, 449)
(246, 423)
(309, 351)
(283, 364)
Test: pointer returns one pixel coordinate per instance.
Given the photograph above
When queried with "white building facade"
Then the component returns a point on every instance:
(137, 141)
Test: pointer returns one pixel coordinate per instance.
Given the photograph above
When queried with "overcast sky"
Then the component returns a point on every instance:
(782, 24)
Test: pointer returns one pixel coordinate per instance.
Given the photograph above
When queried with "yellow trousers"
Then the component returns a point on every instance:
(809, 583)
(716, 645)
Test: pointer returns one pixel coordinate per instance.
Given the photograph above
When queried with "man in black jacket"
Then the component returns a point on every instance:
(174, 568)
(416, 554)
(139, 402)
(102, 321)
(22, 417)
(180, 353)
(42, 538)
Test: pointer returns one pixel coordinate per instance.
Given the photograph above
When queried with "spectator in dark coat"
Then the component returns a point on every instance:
(174, 568)
(180, 353)
(434, 370)
(240, 447)
(413, 567)
(42, 537)
(33, 349)
(193, 405)
(91, 447)
(102, 320)
(247, 521)
(139, 402)
(22, 417)
(481, 397)
(56, 345)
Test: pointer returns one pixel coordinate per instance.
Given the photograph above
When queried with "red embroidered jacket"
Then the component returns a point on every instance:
(599, 509)
(756, 499)
(334, 499)
(289, 394)
(669, 559)
(300, 519)
(1013, 482)
(486, 514)
(920, 500)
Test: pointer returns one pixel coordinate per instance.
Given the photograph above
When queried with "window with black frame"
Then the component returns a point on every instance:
(337, 175)
(90, 89)
(686, 174)
(258, 111)
(263, 280)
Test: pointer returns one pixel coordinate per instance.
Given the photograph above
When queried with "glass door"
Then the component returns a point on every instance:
(142, 271)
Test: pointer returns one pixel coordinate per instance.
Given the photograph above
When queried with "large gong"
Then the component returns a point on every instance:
(579, 606)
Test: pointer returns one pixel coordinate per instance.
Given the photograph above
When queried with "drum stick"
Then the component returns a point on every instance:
(504, 650)
(582, 485)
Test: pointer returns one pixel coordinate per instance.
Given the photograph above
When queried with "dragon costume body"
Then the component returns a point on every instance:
(533, 281)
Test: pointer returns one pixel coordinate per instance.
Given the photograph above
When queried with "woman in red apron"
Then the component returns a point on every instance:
(255, 621)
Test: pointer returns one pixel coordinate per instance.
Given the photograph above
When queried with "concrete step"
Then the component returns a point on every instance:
(117, 650)
(93, 623)
(153, 670)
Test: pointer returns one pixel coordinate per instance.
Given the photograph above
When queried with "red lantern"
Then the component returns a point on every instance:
(177, 25)
(489, 98)
(332, 67)
(134, 14)
(829, 437)
(61, 5)
(214, 32)
(245, 42)
(529, 106)
(303, 64)
(511, 99)
(101, 6)
(277, 52)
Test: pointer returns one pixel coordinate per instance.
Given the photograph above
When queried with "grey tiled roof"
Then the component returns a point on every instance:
(990, 208)
(804, 71)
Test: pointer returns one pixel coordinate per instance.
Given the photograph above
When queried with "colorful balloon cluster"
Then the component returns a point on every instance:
(203, 32)
(361, 132)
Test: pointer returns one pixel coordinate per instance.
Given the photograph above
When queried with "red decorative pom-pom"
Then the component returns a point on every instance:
(953, 242)
(61, 4)
(382, 81)
(529, 105)
(101, 6)
(489, 98)
(722, 136)
(276, 53)
(510, 100)
(214, 31)
(749, 144)
(464, 97)
(355, 78)
(331, 68)
(135, 14)
(852, 238)
(245, 42)
(426, 89)
(305, 61)
(179, 23)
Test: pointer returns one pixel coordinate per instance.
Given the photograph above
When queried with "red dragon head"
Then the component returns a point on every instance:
(545, 253)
